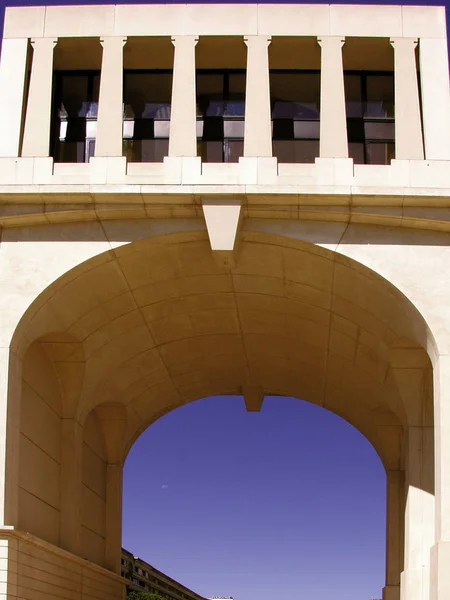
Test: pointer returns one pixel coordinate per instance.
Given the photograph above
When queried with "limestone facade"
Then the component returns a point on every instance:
(130, 287)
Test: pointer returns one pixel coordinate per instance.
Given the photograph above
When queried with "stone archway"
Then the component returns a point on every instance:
(146, 327)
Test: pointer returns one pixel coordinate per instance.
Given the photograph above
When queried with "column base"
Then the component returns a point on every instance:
(439, 571)
(391, 592)
(415, 584)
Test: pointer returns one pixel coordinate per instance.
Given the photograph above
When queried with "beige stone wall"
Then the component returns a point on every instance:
(35, 570)
(158, 322)
(93, 495)
(39, 451)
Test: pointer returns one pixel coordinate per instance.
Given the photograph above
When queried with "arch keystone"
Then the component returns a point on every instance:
(253, 397)
(223, 219)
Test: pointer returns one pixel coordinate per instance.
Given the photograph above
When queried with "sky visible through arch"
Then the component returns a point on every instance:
(284, 504)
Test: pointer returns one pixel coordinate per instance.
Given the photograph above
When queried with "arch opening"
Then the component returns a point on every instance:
(237, 503)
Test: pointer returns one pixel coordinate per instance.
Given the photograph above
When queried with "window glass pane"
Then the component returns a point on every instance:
(154, 150)
(233, 129)
(380, 96)
(353, 98)
(306, 130)
(235, 108)
(380, 153)
(91, 129)
(234, 149)
(74, 96)
(162, 129)
(209, 84)
(211, 152)
(236, 83)
(379, 130)
(296, 151)
(356, 151)
(148, 95)
(295, 95)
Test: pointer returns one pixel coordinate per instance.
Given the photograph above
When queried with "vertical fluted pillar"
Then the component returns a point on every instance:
(109, 141)
(36, 136)
(408, 123)
(333, 119)
(183, 119)
(258, 127)
(13, 66)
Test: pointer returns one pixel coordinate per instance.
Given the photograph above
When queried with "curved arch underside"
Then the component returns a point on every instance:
(149, 326)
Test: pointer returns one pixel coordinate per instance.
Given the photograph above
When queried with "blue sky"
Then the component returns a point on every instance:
(287, 503)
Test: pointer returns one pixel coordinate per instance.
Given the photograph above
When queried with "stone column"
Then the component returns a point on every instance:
(419, 514)
(333, 118)
(394, 545)
(183, 116)
(113, 517)
(440, 553)
(109, 141)
(408, 123)
(13, 68)
(71, 479)
(36, 136)
(434, 79)
(258, 118)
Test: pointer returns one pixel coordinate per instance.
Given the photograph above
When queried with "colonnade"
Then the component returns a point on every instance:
(258, 137)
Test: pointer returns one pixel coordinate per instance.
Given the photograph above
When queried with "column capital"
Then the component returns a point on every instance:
(192, 39)
(44, 42)
(403, 41)
(331, 40)
(254, 40)
(104, 41)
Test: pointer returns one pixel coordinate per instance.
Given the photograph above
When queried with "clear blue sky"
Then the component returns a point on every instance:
(285, 504)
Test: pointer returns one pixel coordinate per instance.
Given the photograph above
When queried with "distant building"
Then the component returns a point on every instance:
(145, 578)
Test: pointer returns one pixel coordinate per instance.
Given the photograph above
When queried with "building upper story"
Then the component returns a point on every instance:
(150, 101)
(144, 577)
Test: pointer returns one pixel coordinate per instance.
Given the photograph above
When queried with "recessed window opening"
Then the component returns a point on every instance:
(76, 84)
(75, 124)
(146, 121)
(221, 63)
(295, 98)
(370, 106)
(370, 117)
(295, 106)
(147, 94)
(220, 115)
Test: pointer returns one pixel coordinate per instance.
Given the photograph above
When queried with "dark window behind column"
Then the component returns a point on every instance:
(74, 124)
(295, 101)
(370, 117)
(147, 98)
(220, 115)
